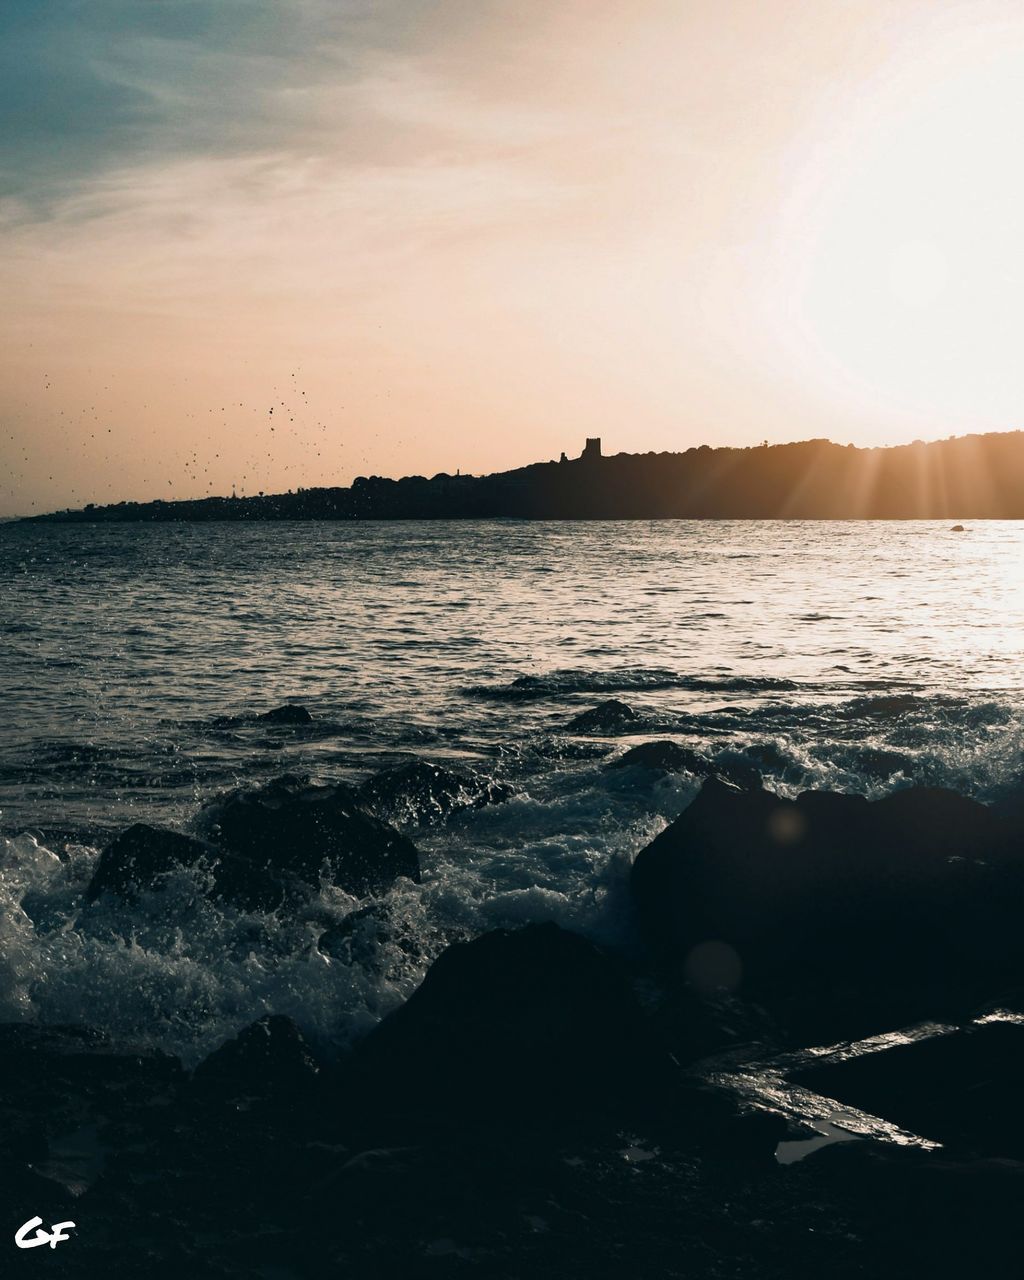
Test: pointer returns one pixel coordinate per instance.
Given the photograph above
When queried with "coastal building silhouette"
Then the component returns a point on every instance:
(974, 476)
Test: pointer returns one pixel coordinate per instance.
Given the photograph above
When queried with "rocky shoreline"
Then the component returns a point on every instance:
(541, 1106)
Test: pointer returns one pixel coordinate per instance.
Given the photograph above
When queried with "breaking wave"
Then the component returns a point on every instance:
(137, 690)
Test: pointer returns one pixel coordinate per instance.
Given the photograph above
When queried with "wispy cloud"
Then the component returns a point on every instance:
(478, 225)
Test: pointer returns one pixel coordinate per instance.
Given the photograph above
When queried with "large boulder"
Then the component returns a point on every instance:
(905, 905)
(137, 858)
(534, 1024)
(299, 832)
(140, 858)
(419, 792)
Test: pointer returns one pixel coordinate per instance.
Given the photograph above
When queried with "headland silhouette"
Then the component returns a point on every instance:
(972, 477)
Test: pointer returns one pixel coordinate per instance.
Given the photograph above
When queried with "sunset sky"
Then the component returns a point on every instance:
(467, 234)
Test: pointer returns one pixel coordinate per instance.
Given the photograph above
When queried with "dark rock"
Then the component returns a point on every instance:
(74, 1058)
(288, 714)
(905, 906)
(1009, 805)
(529, 1025)
(663, 757)
(960, 1089)
(59, 1079)
(695, 1026)
(933, 824)
(419, 792)
(725, 1129)
(928, 1214)
(611, 716)
(268, 1060)
(301, 832)
(138, 859)
(739, 772)
(957, 528)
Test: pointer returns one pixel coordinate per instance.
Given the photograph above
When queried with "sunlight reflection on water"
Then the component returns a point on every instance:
(134, 632)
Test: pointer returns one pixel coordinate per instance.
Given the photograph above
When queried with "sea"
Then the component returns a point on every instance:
(136, 659)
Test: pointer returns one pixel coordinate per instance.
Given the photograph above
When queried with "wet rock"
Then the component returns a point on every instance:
(269, 1060)
(961, 1089)
(287, 714)
(611, 716)
(297, 831)
(382, 939)
(830, 904)
(419, 792)
(663, 757)
(528, 1025)
(139, 858)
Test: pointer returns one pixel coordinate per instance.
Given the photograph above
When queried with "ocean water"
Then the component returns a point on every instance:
(134, 659)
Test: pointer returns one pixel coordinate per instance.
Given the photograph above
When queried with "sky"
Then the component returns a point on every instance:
(265, 244)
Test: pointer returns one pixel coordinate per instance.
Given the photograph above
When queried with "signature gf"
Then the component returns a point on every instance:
(53, 1237)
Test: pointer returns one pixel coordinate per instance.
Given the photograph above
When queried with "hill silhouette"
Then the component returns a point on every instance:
(965, 477)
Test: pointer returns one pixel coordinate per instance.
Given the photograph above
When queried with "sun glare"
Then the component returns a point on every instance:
(917, 273)
(902, 243)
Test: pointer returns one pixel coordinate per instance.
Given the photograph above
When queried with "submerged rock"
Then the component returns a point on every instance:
(420, 792)
(533, 1023)
(610, 716)
(288, 714)
(899, 907)
(298, 831)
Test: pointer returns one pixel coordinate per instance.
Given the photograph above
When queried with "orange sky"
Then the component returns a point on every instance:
(444, 235)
